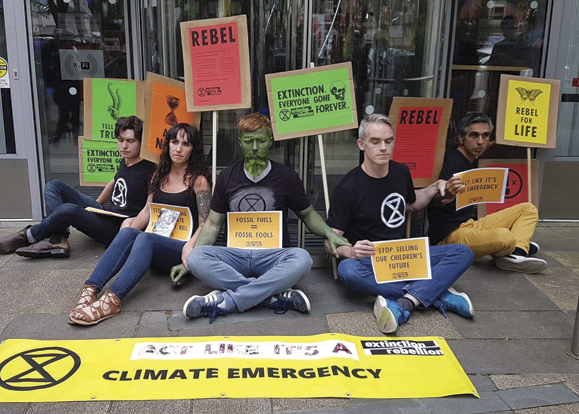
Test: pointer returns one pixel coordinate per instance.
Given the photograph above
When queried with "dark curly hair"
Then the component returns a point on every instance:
(196, 164)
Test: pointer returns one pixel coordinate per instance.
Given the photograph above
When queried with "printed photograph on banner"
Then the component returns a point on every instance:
(166, 106)
(401, 260)
(111, 99)
(421, 126)
(163, 220)
(216, 63)
(482, 185)
(255, 230)
(98, 161)
(315, 366)
(517, 188)
(312, 101)
(527, 111)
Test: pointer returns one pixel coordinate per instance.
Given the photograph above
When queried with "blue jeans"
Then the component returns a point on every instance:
(66, 207)
(133, 252)
(448, 263)
(248, 277)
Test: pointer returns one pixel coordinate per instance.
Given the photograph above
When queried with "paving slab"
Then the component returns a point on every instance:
(53, 327)
(522, 356)
(406, 406)
(560, 285)
(150, 407)
(516, 325)
(557, 238)
(76, 407)
(17, 287)
(487, 403)
(13, 408)
(483, 383)
(225, 405)
(285, 405)
(5, 319)
(354, 323)
(504, 382)
(554, 409)
(538, 396)
(429, 322)
(154, 324)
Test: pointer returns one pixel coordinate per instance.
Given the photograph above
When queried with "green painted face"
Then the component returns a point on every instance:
(255, 146)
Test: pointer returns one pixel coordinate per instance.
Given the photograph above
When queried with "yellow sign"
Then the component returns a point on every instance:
(527, 112)
(255, 230)
(482, 185)
(401, 260)
(180, 226)
(327, 365)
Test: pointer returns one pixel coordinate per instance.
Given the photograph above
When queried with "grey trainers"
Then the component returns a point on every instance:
(523, 264)
(291, 299)
(207, 306)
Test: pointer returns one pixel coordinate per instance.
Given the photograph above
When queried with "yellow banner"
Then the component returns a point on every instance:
(482, 185)
(327, 365)
(527, 112)
(254, 230)
(397, 260)
(180, 226)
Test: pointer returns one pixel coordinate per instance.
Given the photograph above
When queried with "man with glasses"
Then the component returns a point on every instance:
(245, 278)
(505, 234)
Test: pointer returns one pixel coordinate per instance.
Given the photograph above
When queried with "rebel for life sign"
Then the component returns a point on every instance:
(165, 106)
(183, 227)
(98, 161)
(401, 260)
(421, 126)
(517, 189)
(482, 185)
(527, 111)
(312, 101)
(107, 100)
(254, 230)
(216, 63)
(326, 365)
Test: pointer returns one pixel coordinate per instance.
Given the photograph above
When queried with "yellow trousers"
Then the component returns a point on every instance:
(498, 233)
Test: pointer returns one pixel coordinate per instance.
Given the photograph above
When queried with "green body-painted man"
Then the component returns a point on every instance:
(245, 278)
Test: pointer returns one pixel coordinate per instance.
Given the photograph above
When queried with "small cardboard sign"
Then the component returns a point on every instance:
(421, 126)
(517, 190)
(184, 226)
(401, 260)
(527, 111)
(312, 101)
(255, 230)
(216, 63)
(165, 106)
(482, 185)
(98, 161)
(4, 76)
(107, 100)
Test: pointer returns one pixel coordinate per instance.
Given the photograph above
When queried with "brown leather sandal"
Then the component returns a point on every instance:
(86, 296)
(106, 307)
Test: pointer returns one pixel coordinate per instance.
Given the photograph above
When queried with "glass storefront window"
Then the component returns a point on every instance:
(72, 39)
(492, 38)
(7, 142)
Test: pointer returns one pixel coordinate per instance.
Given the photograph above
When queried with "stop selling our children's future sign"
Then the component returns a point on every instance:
(312, 101)
(397, 260)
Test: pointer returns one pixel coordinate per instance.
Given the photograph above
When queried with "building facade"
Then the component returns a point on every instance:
(417, 48)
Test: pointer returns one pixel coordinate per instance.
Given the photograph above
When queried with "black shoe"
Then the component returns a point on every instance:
(10, 244)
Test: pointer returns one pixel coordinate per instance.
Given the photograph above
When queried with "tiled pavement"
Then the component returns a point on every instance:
(513, 350)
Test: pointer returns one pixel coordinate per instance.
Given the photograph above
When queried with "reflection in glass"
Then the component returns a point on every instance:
(7, 142)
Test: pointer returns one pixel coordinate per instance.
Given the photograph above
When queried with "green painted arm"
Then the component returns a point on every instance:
(317, 225)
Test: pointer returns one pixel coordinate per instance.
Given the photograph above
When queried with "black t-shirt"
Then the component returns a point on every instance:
(182, 199)
(374, 209)
(444, 219)
(131, 187)
(279, 189)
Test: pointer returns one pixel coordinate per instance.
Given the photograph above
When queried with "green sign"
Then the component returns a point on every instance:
(111, 100)
(100, 161)
(312, 101)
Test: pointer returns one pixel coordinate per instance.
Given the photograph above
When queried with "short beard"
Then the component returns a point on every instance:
(255, 166)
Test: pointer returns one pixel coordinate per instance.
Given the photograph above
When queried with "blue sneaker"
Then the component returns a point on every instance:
(207, 306)
(389, 314)
(291, 299)
(456, 302)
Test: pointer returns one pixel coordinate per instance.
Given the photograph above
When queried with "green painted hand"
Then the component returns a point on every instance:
(177, 273)
(335, 240)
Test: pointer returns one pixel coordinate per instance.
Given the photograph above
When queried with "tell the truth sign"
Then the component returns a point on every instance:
(312, 101)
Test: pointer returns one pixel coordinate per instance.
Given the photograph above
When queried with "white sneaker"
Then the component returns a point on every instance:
(521, 264)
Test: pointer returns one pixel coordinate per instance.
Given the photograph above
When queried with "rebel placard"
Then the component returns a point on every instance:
(98, 161)
(401, 260)
(165, 106)
(312, 101)
(254, 230)
(421, 126)
(216, 64)
(184, 226)
(517, 189)
(107, 100)
(482, 185)
(527, 111)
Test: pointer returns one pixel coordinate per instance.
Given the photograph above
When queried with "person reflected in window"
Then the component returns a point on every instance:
(512, 50)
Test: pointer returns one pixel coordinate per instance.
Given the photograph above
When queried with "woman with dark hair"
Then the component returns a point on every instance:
(181, 179)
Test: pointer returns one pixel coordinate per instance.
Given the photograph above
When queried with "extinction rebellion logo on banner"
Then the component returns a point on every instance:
(404, 347)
